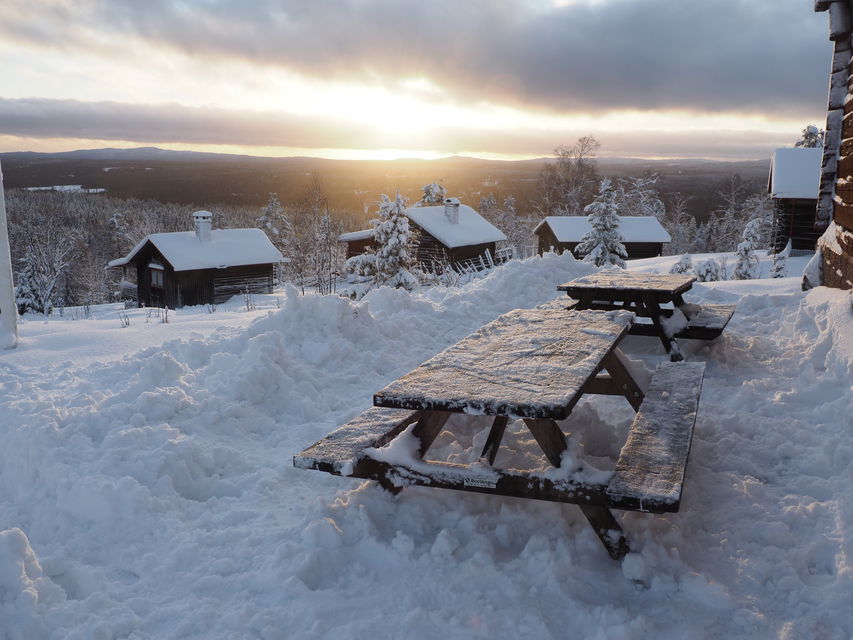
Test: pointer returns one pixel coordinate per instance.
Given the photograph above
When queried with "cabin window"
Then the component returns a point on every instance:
(157, 278)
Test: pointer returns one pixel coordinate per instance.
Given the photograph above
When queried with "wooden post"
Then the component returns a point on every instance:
(8, 306)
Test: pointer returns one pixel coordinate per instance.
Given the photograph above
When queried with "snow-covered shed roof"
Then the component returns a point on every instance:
(226, 248)
(632, 228)
(352, 236)
(472, 228)
(795, 172)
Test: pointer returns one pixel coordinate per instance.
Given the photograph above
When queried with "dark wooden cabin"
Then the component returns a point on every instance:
(452, 233)
(793, 184)
(834, 215)
(204, 266)
(644, 236)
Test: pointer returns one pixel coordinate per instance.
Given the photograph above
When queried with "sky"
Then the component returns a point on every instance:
(728, 79)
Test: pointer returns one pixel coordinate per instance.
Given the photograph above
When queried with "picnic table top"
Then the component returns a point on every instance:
(621, 281)
(529, 363)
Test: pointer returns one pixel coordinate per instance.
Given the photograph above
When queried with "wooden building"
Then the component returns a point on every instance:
(834, 215)
(643, 236)
(452, 233)
(793, 185)
(205, 266)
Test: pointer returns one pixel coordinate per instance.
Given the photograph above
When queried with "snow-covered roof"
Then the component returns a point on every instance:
(352, 236)
(226, 248)
(472, 228)
(795, 172)
(632, 228)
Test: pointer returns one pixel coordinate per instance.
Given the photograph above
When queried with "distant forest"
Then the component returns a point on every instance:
(69, 236)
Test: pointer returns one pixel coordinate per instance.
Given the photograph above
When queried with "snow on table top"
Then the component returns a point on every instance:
(621, 280)
(528, 363)
(795, 172)
(632, 228)
(226, 248)
(472, 228)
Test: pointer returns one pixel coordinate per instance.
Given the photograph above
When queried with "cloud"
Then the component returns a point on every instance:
(722, 55)
(177, 124)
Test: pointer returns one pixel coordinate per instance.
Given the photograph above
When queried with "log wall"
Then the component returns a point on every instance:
(837, 251)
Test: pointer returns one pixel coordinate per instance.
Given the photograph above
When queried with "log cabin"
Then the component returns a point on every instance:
(643, 236)
(204, 266)
(834, 215)
(793, 185)
(450, 234)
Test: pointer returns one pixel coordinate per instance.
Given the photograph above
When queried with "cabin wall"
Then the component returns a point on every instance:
(793, 219)
(358, 247)
(635, 250)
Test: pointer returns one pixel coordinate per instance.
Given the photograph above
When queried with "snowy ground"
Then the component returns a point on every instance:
(147, 491)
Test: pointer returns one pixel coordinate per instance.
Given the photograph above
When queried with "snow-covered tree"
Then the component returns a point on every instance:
(724, 229)
(708, 271)
(681, 226)
(603, 244)
(779, 266)
(395, 257)
(47, 257)
(518, 230)
(640, 197)
(25, 287)
(568, 184)
(759, 206)
(811, 137)
(434, 194)
(747, 263)
(684, 265)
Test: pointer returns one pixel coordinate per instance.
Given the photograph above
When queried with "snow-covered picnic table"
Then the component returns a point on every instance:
(644, 294)
(533, 365)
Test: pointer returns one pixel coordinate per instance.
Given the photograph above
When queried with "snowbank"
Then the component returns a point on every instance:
(153, 495)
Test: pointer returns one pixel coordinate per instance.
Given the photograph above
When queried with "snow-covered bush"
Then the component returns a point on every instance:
(779, 266)
(684, 265)
(709, 271)
(747, 263)
(603, 244)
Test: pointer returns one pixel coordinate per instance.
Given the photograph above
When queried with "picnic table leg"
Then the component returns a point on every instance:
(607, 530)
(550, 438)
(490, 450)
(623, 380)
(669, 343)
(428, 427)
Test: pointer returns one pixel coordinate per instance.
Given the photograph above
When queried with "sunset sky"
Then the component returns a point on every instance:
(387, 78)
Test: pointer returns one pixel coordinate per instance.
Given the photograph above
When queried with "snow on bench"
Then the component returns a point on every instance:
(650, 472)
(706, 322)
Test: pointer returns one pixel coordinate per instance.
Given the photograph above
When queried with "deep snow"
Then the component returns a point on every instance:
(147, 490)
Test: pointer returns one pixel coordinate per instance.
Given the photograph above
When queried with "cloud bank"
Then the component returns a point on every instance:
(720, 55)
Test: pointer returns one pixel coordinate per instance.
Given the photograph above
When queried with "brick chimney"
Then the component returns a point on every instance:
(451, 210)
(202, 223)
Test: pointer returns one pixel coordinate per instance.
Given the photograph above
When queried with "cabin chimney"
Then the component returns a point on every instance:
(202, 224)
(451, 210)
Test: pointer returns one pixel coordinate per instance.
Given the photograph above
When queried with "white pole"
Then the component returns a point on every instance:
(8, 307)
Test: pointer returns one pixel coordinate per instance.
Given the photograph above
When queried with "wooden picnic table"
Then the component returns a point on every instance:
(532, 364)
(645, 295)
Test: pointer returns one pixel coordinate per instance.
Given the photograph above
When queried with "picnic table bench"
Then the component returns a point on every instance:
(643, 294)
(534, 365)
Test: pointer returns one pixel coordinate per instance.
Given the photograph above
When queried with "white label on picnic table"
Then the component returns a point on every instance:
(480, 482)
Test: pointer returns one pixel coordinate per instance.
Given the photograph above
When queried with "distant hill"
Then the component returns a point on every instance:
(351, 185)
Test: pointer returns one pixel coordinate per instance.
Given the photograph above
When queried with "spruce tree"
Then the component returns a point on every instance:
(603, 245)
(747, 264)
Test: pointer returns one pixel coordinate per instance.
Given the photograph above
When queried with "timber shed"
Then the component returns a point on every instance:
(643, 236)
(793, 184)
(452, 233)
(205, 266)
